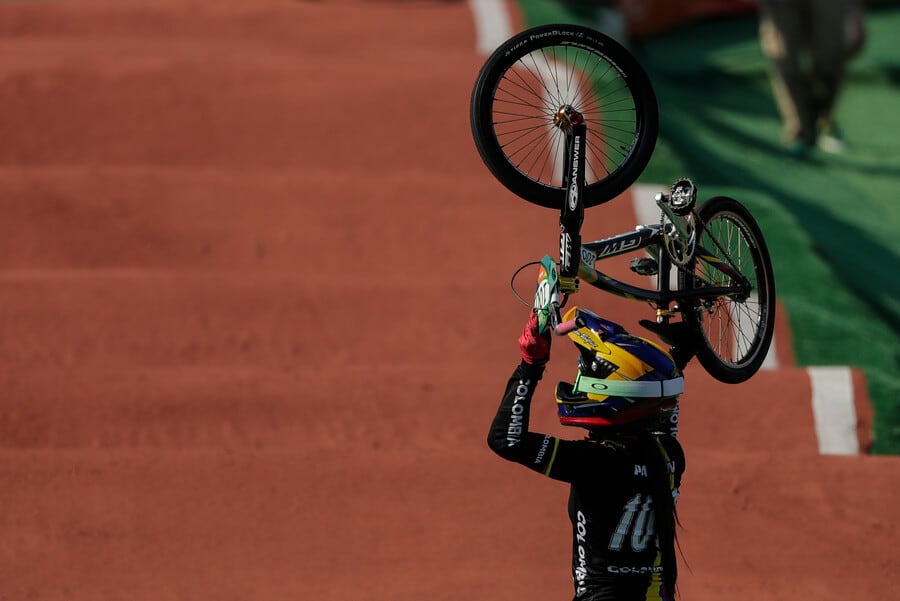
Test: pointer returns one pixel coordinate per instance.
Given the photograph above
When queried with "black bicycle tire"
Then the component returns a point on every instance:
(741, 368)
(631, 73)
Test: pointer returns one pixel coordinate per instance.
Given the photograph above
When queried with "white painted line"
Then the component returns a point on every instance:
(833, 410)
(493, 27)
(771, 360)
(645, 209)
(644, 199)
(492, 24)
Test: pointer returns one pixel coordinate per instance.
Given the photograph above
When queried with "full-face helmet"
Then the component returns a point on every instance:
(621, 378)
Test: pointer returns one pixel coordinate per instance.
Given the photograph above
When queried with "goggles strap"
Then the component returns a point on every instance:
(642, 389)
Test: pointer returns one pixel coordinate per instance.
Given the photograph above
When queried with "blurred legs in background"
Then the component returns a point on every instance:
(602, 15)
(808, 43)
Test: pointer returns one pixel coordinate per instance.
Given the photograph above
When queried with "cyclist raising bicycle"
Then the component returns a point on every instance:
(625, 473)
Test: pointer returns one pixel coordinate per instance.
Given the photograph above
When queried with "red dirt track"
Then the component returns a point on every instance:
(256, 319)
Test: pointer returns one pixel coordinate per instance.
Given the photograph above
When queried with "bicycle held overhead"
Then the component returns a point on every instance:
(566, 118)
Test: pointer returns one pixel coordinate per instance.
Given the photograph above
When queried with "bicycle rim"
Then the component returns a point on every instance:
(736, 329)
(516, 116)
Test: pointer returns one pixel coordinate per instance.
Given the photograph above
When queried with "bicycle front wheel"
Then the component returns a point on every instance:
(736, 329)
(518, 107)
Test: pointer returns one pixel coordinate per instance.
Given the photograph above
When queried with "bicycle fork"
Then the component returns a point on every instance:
(571, 215)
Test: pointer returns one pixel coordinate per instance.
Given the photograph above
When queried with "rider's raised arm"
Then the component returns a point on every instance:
(509, 435)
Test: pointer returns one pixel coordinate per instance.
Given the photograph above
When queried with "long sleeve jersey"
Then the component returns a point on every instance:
(615, 555)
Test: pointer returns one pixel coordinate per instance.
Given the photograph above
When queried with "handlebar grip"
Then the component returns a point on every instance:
(566, 327)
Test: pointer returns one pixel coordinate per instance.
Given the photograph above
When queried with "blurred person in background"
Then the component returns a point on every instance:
(808, 44)
(603, 15)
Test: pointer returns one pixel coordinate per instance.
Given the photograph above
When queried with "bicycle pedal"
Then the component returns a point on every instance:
(644, 266)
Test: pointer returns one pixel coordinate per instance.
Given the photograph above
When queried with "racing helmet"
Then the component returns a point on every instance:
(621, 378)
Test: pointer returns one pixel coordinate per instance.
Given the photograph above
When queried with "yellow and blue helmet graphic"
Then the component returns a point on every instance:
(621, 377)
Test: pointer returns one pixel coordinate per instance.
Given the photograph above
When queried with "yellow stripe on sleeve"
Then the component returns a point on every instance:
(552, 456)
(667, 461)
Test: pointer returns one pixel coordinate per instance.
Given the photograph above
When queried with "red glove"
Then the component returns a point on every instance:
(535, 347)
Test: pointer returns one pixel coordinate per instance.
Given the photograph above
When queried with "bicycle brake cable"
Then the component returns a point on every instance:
(512, 282)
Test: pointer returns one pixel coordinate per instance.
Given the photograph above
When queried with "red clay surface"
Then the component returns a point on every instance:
(253, 287)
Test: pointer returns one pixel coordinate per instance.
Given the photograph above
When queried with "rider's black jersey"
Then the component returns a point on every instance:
(614, 548)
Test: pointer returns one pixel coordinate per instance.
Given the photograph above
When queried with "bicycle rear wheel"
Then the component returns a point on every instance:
(736, 329)
(518, 98)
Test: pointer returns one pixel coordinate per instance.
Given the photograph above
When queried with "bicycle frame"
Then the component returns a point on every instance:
(647, 236)
(653, 236)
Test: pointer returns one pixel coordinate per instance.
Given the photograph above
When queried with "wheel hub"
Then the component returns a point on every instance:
(566, 116)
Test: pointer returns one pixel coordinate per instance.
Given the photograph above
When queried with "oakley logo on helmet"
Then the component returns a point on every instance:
(599, 386)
